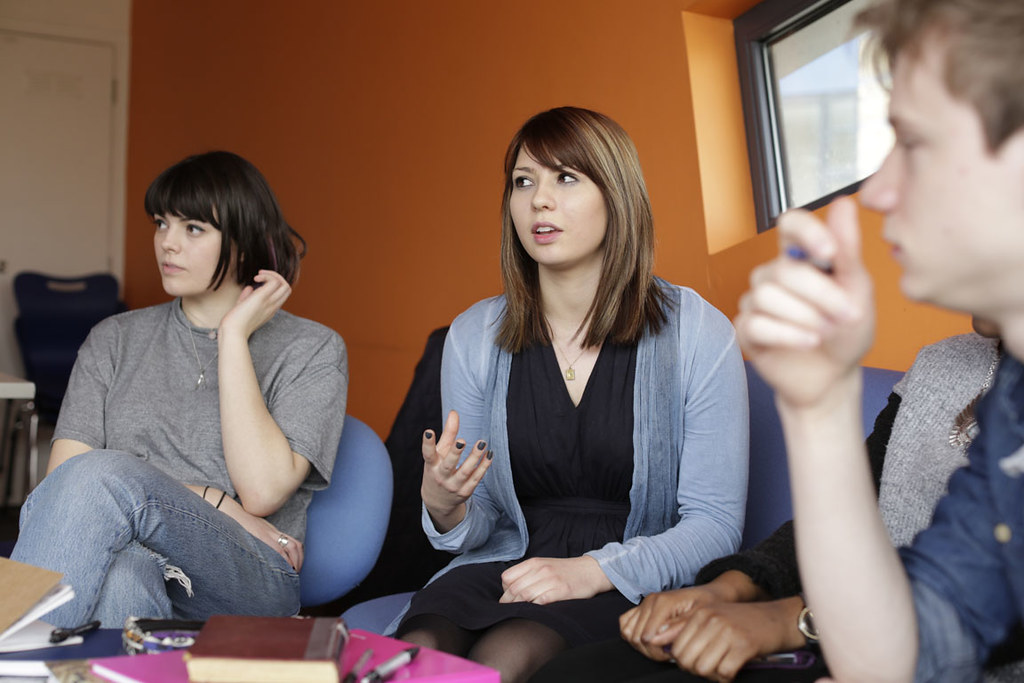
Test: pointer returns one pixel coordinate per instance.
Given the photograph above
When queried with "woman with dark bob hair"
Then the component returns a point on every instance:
(595, 448)
(193, 433)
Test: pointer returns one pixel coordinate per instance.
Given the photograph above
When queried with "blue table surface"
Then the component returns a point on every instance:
(104, 642)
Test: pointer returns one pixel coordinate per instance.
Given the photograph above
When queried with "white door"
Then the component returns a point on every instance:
(56, 164)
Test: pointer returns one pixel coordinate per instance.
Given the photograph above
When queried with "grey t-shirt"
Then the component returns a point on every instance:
(133, 389)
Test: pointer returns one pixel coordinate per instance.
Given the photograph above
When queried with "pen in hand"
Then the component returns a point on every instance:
(387, 669)
(798, 254)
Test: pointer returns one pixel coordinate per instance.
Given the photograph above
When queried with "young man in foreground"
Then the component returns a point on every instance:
(953, 193)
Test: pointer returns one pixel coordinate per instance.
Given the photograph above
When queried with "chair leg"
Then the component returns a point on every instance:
(28, 408)
(6, 452)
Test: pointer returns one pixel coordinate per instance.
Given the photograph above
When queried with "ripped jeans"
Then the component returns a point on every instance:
(133, 541)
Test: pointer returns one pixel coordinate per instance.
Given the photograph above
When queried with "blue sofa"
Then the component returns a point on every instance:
(768, 498)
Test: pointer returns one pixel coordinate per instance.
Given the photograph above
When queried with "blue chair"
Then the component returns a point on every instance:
(346, 522)
(768, 495)
(55, 315)
(375, 615)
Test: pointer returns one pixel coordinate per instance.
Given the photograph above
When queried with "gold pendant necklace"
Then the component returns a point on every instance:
(570, 372)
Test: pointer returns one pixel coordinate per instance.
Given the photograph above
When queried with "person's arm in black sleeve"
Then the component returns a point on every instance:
(878, 440)
(771, 564)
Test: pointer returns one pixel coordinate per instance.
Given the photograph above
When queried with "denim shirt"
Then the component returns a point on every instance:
(967, 569)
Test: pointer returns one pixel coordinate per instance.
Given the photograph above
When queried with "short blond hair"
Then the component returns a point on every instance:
(985, 51)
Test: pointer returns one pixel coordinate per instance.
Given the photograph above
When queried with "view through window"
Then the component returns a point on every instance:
(820, 108)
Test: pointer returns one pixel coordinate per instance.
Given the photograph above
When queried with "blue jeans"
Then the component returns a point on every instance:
(115, 526)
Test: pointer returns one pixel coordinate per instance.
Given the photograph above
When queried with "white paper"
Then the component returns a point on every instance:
(57, 596)
(34, 636)
(24, 668)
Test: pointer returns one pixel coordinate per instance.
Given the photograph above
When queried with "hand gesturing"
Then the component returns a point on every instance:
(447, 485)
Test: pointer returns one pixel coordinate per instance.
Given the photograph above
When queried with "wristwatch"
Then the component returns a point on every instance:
(805, 622)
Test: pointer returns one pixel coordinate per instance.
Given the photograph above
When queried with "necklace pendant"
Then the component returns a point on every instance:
(570, 374)
(202, 378)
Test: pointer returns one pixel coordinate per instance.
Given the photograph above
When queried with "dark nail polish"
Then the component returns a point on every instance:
(482, 445)
(428, 434)
(460, 444)
(490, 455)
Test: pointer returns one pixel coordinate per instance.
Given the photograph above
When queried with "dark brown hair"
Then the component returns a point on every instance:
(628, 300)
(984, 42)
(229, 193)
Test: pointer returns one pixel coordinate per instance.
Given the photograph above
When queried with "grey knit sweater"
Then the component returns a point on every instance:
(919, 459)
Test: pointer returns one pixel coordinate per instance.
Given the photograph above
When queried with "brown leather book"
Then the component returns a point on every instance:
(267, 650)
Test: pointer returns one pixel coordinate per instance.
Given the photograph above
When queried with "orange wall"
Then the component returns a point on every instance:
(381, 126)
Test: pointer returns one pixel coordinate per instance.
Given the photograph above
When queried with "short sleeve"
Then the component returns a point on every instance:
(83, 410)
(310, 408)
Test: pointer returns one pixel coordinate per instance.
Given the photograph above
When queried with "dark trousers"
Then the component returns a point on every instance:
(615, 661)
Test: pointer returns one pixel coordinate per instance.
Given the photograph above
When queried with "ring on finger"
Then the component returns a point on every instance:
(282, 541)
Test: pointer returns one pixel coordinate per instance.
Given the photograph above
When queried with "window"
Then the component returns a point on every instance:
(814, 112)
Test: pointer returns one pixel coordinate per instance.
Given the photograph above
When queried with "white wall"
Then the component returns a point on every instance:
(99, 21)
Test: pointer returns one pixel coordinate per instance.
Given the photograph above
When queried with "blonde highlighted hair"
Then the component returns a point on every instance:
(628, 300)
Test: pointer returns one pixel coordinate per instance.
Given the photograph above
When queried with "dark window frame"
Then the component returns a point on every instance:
(765, 22)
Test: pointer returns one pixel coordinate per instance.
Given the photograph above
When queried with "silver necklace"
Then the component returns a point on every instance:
(965, 426)
(202, 366)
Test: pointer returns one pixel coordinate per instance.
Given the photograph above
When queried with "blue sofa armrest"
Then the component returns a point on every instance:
(768, 496)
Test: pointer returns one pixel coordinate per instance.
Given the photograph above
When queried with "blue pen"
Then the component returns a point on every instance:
(798, 254)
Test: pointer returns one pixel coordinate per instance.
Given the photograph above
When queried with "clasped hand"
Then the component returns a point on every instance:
(447, 485)
(707, 636)
(647, 626)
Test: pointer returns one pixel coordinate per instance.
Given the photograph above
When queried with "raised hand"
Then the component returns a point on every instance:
(447, 485)
(802, 327)
(543, 580)
(256, 305)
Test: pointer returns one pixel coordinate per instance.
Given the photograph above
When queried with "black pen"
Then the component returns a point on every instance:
(59, 635)
(385, 670)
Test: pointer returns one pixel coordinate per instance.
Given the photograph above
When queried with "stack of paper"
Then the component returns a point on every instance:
(32, 593)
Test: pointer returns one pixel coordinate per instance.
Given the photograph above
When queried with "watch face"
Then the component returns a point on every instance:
(806, 624)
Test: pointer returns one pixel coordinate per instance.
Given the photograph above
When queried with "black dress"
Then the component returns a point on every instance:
(573, 469)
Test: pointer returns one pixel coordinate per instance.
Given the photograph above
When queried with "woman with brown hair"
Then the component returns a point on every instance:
(608, 410)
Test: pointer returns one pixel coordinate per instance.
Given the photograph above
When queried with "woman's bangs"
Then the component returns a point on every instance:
(557, 147)
(179, 192)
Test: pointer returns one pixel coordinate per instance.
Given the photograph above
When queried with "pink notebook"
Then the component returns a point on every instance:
(429, 665)
(166, 667)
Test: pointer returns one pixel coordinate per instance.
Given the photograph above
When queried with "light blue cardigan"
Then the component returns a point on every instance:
(690, 448)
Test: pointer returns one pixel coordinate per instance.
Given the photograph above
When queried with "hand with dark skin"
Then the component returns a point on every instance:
(713, 630)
